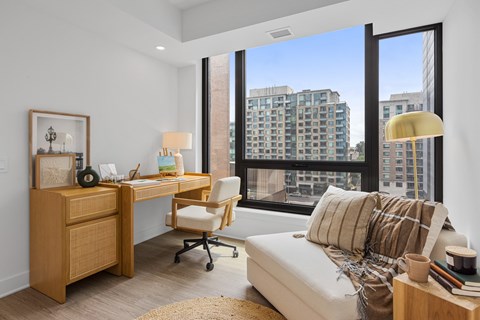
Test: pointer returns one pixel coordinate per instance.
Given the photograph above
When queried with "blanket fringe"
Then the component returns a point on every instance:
(359, 267)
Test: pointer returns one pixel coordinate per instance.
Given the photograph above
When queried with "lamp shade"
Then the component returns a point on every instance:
(177, 140)
(63, 137)
(413, 125)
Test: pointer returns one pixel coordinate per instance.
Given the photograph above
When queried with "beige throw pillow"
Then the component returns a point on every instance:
(341, 219)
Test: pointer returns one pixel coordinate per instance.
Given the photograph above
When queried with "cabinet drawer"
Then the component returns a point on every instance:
(90, 207)
(154, 192)
(189, 185)
(92, 246)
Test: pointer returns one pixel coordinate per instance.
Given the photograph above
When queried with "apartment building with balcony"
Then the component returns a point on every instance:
(396, 158)
(312, 125)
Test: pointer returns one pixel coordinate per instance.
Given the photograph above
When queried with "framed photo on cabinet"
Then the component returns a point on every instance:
(54, 170)
(55, 133)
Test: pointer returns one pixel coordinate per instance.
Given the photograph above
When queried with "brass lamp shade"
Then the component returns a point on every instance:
(416, 125)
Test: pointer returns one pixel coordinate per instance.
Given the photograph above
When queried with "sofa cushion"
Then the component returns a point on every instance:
(341, 219)
(197, 218)
(306, 270)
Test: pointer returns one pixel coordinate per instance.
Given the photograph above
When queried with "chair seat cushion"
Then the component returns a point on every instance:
(304, 268)
(197, 218)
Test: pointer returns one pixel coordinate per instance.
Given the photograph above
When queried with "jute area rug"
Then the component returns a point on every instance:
(214, 308)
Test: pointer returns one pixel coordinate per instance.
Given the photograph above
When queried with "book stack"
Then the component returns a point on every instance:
(454, 282)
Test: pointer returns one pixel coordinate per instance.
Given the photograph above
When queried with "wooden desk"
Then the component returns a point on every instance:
(191, 187)
(423, 301)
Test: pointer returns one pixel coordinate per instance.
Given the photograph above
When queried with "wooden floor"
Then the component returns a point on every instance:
(158, 281)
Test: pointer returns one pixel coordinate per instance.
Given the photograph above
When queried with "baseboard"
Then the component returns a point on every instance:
(14, 283)
(149, 233)
(21, 280)
(250, 222)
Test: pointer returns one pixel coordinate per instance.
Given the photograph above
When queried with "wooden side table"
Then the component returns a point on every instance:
(422, 301)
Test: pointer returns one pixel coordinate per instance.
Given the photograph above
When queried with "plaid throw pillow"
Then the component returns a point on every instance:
(341, 219)
(405, 226)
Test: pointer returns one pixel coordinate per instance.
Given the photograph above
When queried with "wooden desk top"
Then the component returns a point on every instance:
(164, 186)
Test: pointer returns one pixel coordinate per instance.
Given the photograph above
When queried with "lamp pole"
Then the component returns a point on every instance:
(415, 178)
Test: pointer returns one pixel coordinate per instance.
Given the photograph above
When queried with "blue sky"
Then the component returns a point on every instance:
(335, 60)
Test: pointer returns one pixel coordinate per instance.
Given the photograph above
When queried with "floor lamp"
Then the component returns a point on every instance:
(412, 126)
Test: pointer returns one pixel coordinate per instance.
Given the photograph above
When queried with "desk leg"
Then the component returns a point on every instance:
(127, 232)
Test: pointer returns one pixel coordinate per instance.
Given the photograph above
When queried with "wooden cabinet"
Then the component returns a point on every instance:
(74, 232)
(424, 301)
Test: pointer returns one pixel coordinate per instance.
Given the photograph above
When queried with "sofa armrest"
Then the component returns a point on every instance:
(447, 238)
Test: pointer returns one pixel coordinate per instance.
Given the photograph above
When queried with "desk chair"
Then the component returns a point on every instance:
(206, 216)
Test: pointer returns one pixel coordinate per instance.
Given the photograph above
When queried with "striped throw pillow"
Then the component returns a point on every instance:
(341, 219)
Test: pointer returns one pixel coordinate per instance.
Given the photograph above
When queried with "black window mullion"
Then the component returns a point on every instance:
(205, 115)
(306, 165)
(240, 96)
(438, 94)
(370, 182)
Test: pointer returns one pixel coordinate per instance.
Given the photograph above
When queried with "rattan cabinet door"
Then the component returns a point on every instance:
(92, 246)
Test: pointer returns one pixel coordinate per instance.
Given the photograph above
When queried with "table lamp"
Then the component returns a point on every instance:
(411, 126)
(178, 140)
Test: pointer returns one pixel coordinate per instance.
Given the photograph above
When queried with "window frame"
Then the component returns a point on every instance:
(369, 168)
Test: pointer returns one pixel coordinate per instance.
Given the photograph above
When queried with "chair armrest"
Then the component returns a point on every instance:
(227, 217)
(199, 203)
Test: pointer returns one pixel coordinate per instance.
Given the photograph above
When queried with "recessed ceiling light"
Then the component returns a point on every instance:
(161, 48)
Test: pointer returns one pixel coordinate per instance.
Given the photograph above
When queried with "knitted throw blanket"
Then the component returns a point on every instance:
(400, 227)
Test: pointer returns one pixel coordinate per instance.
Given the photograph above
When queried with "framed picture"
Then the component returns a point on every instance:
(58, 133)
(166, 164)
(54, 170)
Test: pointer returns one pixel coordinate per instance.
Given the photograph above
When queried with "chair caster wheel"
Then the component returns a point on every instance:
(210, 266)
(177, 259)
(235, 253)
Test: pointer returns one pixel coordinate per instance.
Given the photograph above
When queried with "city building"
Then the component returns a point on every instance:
(396, 158)
(308, 125)
(429, 105)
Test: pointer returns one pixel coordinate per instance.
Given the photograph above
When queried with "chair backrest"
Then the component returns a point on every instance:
(223, 189)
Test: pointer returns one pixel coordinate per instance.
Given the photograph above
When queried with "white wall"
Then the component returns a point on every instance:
(461, 115)
(51, 65)
(189, 116)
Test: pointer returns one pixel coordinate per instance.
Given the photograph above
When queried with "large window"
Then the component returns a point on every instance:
(407, 75)
(291, 118)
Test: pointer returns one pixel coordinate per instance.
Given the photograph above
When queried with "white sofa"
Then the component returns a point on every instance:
(298, 278)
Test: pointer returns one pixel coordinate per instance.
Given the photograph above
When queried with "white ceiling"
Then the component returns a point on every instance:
(207, 28)
(186, 4)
